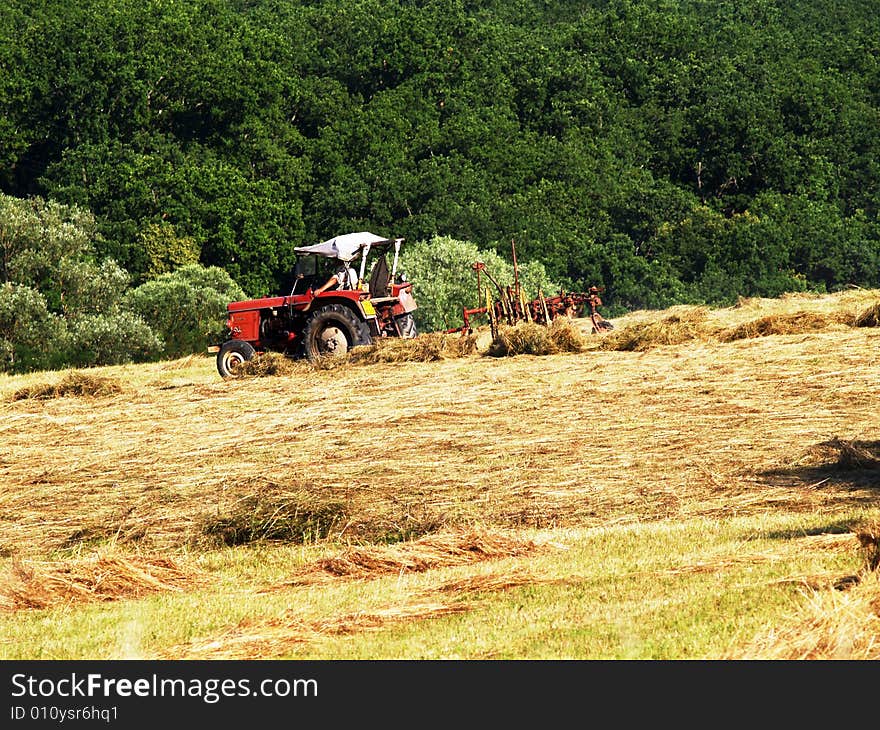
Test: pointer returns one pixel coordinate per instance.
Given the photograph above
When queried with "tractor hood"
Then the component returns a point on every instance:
(344, 247)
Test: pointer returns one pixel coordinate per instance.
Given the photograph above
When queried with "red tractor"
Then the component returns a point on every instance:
(313, 321)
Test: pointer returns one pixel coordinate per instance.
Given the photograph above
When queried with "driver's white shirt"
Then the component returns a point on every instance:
(351, 275)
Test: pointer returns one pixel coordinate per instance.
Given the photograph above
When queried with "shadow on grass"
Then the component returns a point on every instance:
(836, 463)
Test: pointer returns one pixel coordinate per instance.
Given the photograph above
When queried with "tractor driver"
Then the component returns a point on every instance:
(594, 301)
(600, 324)
(344, 278)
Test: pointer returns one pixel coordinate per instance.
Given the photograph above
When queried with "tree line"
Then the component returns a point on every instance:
(672, 151)
(61, 305)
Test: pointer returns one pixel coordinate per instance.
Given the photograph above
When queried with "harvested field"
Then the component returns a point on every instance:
(420, 459)
(398, 452)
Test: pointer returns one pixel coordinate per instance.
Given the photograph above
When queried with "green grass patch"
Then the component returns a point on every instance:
(693, 589)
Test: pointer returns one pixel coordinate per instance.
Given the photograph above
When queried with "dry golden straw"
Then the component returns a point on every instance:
(72, 384)
(417, 556)
(102, 578)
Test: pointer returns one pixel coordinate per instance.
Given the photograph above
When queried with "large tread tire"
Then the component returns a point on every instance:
(232, 354)
(332, 331)
(407, 325)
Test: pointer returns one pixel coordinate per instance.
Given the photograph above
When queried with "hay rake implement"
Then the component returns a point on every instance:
(509, 305)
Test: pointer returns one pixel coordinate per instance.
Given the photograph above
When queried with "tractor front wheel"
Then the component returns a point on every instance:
(332, 331)
(232, 354)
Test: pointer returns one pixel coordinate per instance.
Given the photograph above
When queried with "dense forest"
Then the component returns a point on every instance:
(669, 150)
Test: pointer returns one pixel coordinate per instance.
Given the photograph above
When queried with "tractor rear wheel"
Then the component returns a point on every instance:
(332, 331)
(232, 354)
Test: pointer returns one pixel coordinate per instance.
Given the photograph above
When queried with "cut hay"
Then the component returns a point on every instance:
(273, 638)
(291, 518)
(869, 317)
(852, 455)
(684, 324)
(831, 625)
(308, 514)
(566, 336)
(72, 384)
(418, 556)
(276, 637)
(181, 363)
(102, 578)
(494, 583)
(524, 338)
(868, 536)
(530, 338)
(330, 362)
(841, 616)
(264, 365)
(429, 347)
(777, 324)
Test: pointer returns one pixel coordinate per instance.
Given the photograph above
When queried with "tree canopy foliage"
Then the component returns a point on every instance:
(62, 306)
(669, 150)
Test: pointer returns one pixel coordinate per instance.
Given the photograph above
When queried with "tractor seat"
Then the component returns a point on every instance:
(384, 300)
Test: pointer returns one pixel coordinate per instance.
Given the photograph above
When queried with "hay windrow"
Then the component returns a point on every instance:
(429, 347)
(31, 585)
(830, 625)
(181, 363)
(777, 324)
(524, 338)
(869, 317)
(310, 513)
(75, 383)
(293, 518)
(433, 551)
(276, 637)
(566, 335)
(267, 364)
(868, 535)
(495, 583)
(530, 338)
(684, 324)
(852, 455)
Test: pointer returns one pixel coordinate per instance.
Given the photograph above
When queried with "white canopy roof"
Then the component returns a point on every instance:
(344, 247)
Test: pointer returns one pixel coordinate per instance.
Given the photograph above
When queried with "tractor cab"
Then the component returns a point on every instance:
(366, 252)
(380, 288)
(311, 271)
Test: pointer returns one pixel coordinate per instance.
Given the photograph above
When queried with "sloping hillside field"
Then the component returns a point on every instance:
(694, 484)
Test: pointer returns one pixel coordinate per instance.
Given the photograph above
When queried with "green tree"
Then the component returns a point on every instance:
(110, 339)
(165, 251)
(186, 307)
(31, 337)
(59, 305)
(445, 282)
(586, 132)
